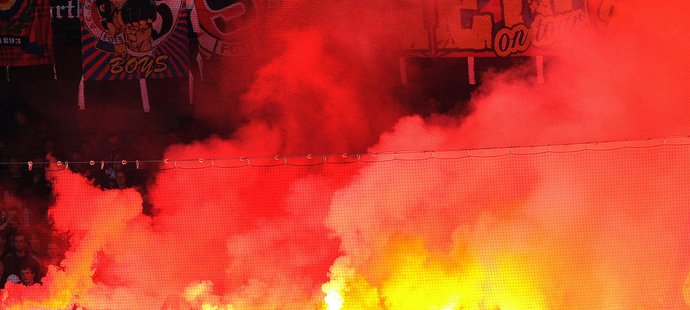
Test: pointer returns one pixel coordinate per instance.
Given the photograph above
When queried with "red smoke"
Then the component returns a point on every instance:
(589, 229)
(626, 82)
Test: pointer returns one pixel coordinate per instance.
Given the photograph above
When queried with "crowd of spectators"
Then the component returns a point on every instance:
(28, 249)
(29, 244)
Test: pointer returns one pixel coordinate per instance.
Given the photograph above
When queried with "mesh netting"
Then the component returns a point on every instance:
(541, 228)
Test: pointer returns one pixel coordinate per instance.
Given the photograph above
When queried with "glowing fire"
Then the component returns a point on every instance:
(417, 280)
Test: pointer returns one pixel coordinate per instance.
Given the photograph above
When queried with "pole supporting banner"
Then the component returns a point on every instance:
(144, 95)
(200, 63)
(191, 87)
(403, 70)
(540, 69)
(471, 75)
(80, 96)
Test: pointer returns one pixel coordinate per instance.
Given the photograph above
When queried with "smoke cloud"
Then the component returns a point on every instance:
(557, 229)
(561, 227)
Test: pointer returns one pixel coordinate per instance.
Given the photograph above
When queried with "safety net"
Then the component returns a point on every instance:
(591, 226)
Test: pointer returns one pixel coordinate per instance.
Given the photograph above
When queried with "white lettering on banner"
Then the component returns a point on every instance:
(11, 41)
(106, 37)
(72, 9)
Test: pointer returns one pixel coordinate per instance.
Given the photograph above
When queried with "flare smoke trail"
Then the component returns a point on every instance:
(591, 230)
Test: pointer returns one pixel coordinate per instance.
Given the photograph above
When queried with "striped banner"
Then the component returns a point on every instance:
(134, 39)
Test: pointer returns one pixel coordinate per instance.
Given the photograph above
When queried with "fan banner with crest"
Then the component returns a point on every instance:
(227, 28)
(134, 39)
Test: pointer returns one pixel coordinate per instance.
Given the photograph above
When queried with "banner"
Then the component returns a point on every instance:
(492, 27)
(26, 36)
(134, 39)
(225, 28)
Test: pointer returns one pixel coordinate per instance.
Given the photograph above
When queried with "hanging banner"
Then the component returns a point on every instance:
(226, 27)
(26, 36)
(134, 39)
(491, 28)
